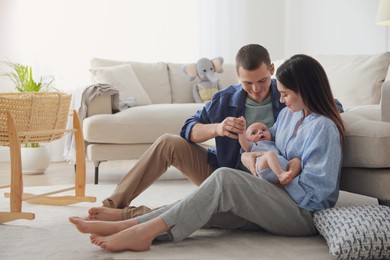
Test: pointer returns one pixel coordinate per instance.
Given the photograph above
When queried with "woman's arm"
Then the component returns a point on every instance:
(317, 187)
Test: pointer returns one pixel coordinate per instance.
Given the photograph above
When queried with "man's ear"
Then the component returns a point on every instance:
(272, 69)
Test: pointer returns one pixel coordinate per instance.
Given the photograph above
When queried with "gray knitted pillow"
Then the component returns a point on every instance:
(359, 232)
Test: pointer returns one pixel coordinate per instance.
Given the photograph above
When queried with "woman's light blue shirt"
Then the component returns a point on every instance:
(317, 144)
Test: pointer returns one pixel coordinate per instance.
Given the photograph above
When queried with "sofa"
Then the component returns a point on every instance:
(164, 101)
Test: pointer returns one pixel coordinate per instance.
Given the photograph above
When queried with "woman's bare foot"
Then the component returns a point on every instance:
(129, 239)
(103, 213)
(136, 238)
(102, 228)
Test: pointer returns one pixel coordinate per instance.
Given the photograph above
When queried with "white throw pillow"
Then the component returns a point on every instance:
(124, 79)
(358, 232)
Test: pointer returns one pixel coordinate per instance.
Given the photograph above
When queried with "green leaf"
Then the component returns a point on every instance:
(22, 77)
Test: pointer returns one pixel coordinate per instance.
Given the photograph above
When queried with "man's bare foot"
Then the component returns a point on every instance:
(102, 228)
(103, 213)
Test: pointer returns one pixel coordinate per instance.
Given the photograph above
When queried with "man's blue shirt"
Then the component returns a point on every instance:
(228, 102)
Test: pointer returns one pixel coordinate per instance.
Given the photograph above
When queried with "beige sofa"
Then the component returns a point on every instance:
(358, 81)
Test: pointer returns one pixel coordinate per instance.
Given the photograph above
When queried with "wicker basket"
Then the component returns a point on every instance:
(39, 116)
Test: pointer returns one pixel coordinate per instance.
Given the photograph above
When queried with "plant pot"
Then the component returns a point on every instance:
(35, 160)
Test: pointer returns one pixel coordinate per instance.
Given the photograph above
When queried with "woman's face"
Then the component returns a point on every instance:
(292, 99)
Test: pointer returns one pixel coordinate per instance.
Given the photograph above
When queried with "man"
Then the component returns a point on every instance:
(256, 98)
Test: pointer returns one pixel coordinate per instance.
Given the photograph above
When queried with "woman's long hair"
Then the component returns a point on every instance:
(305, 76)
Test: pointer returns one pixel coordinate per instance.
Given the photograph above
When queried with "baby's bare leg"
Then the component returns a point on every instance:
(272, 162)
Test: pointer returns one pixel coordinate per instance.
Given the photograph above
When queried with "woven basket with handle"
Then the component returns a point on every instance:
(39, 116)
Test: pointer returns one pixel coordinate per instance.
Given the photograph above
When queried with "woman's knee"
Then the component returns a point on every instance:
(225, 175)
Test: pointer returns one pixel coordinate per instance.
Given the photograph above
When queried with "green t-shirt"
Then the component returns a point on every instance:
(255, 112)
(262, 111)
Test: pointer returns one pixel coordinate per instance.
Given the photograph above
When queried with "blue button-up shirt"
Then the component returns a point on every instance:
(228, 102)
(317, 144)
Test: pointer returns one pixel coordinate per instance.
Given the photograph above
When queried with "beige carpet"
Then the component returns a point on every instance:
(51, 236)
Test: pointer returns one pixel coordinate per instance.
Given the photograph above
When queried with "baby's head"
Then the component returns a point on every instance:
(258, 131)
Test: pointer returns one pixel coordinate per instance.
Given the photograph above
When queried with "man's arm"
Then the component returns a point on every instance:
(229, 127)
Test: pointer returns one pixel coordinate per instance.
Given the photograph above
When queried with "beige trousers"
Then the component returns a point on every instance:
(168, 150)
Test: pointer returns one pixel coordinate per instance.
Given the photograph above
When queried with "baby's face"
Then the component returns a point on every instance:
(258, 132)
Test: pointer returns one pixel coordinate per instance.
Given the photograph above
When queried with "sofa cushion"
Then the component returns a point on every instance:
(182, 86)
(345, 76)
(367, 138)
(124, 79)
(138, 125)
(152, 76)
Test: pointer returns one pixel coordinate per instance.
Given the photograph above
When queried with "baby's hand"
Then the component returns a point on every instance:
(243, 122)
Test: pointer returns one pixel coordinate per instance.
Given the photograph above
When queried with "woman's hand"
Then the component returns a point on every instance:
(248, 159)
(231, 127)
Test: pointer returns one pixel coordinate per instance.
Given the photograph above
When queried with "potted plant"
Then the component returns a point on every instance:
(38, 159)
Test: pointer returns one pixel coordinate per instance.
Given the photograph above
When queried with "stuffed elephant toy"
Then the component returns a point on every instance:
(208, 83)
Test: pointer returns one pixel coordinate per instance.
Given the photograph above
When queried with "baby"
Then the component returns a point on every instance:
(271, 166)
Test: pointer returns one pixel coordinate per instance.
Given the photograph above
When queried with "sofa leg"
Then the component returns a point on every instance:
(97, 163)
(384, 202)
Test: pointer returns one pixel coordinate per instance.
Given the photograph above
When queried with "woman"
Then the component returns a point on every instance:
(309, 128)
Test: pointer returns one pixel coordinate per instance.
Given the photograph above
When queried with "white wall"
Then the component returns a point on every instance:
(59, 37)
(227, 25)
(333, 27)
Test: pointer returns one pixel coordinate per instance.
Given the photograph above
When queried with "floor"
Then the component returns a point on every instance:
(62, 173)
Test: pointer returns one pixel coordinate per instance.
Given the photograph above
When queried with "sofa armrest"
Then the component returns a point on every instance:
(101, 104)
(385, 102)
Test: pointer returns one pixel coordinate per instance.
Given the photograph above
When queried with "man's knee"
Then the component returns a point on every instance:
(169, 141)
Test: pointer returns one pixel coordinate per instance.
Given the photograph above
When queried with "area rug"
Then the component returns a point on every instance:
(51, 236)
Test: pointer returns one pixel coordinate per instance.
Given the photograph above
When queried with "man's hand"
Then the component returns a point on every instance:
(248, 159)
(231, 127)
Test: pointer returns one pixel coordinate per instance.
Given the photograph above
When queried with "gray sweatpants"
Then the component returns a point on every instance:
(232, 198)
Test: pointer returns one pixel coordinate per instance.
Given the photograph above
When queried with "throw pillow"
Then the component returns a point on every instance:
(125, 80)
(358, 232)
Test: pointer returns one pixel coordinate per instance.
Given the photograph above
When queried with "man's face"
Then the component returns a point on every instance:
(257, 82)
